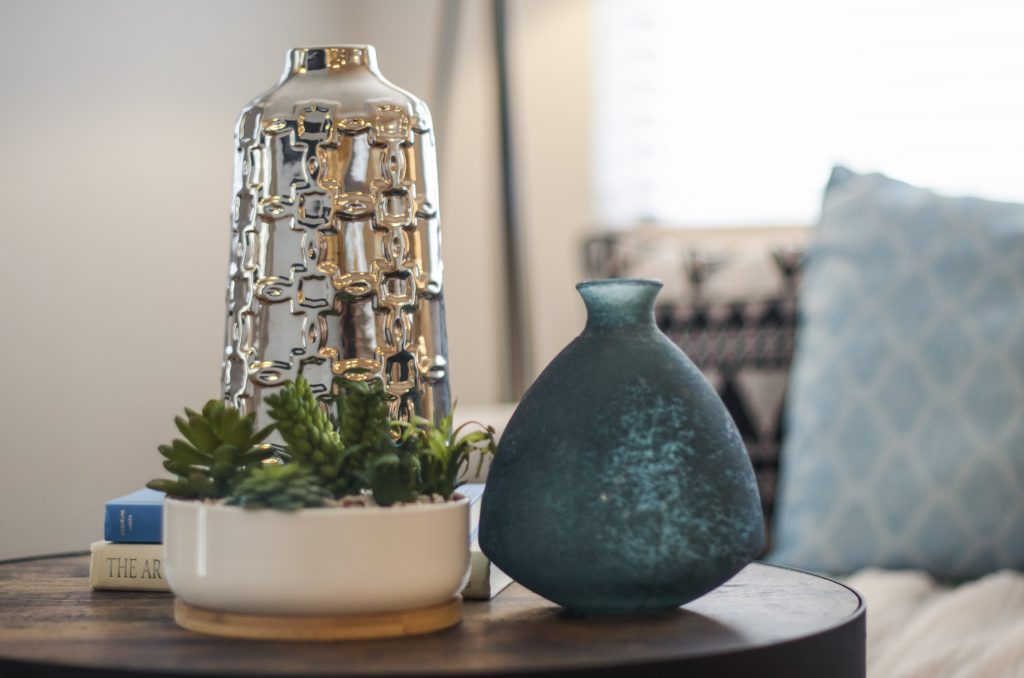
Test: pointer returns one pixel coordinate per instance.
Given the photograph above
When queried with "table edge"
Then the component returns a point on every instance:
(856, 617)
(45, 556)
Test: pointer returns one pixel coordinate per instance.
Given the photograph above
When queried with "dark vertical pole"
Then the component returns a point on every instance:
(517, 322)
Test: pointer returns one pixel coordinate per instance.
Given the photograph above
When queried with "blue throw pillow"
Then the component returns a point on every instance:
(905, 416)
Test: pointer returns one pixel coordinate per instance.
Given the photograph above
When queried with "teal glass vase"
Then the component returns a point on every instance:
(621, 484)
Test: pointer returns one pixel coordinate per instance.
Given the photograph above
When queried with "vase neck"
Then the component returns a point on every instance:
(618, 303)
(337, 59)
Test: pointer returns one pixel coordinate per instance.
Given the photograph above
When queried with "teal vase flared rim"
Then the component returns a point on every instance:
(618, 302)
(611, 282)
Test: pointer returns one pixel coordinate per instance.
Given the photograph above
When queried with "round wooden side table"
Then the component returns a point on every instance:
(766, 621)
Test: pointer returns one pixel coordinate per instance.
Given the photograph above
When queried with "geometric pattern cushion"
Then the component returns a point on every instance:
(905, 414)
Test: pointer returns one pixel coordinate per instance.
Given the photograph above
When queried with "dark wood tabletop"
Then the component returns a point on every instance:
(766, 621)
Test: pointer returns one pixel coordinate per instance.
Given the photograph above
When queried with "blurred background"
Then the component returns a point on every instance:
(624, 116)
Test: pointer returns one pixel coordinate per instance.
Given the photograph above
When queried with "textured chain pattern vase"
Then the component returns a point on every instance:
(335, 264)
(621, 484)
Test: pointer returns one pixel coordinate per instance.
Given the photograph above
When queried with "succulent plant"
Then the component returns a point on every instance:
(356, 450)
(374, 460)
(286, 487)
(220, 448)
(392, 473)
(445, 453)
(362, 412)
(306, 429)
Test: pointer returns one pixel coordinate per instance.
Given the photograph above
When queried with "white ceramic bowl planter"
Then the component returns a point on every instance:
(316, 561)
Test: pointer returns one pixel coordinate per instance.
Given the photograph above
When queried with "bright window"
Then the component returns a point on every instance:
(733, 112)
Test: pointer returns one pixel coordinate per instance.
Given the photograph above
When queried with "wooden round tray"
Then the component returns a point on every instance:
(319, 627)
(765, 621)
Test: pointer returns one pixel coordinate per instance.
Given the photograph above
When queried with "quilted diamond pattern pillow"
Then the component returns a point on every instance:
(905, 444)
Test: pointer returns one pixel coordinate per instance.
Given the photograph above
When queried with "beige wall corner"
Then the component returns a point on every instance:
(551, 91)
(471, 217)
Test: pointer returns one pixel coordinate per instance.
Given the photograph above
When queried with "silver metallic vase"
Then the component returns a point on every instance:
(335, 244)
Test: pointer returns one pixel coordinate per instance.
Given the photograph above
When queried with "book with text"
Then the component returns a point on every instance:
(485, 580)
(135, 518)
(129, 567)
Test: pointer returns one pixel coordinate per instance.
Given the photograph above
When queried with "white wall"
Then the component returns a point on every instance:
(115, 184)
(551, 73)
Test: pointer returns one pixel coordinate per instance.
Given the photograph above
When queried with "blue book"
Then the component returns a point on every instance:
(135, 518)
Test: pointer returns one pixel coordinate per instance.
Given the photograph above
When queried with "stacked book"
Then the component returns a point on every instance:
(130, 555)
(485, 580)
(129, 558)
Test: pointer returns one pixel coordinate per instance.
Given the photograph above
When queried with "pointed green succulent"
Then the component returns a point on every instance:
(372, 460)
(399, 461)
(220, 448)
(357, 450)
(445, 453)
(286, 487)
(308, 434)
(362, 412)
